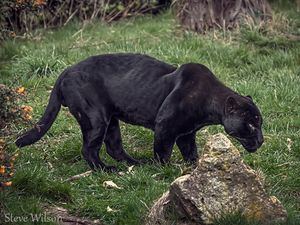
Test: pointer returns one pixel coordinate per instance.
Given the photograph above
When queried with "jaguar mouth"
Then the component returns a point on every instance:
(251, 149)
(250, 145)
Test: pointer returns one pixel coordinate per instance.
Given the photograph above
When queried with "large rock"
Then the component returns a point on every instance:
(221, 184)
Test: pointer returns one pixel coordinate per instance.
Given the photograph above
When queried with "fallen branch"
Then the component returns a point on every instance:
(78, 176)
(64, 218)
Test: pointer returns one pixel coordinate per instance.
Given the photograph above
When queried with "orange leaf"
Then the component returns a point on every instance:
(39, 2)
(20, 1)
(2, 169)
(27, 117)
(13, 159)
(27, 108)
(7, 184)
(20, 90)
(15, 155)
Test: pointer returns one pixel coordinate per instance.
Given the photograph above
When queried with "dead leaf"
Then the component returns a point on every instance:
(26, 108)
(27, 117)
(7, 184)
(108, 209)
(2, 169)
(130, 169)
(121, 173)
(20, 90)
(110, 184)
(289, 144)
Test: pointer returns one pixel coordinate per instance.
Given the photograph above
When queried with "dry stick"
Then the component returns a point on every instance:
(71, 7)
(104, 12)
(114, 16)
(44, 20)
(127, 9)
(73, 14)
(25, 19)
(78, 176)
(222, 13)
(50, 22)
(93, 14)
(64, 216)
(148, 9)
(97, 12)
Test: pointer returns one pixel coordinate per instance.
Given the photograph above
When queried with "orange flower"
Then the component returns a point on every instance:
(2, 169)
(13, 159)
(20, 90)
(20, 1)
(7, 184)
(27, 117)
(39, 2)
(27, 108)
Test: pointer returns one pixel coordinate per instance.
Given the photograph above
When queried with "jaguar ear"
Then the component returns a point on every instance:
(248, 96)
(231, 105)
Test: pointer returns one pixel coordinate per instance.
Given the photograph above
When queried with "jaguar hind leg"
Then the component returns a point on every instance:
(93, 132)
(113, 143)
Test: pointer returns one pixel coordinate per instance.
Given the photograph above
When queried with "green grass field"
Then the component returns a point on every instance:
(263, 62)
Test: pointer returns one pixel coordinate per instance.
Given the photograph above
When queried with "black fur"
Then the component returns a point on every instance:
(137, 89)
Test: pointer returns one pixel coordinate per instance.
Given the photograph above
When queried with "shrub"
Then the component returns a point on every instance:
(7, 159)
(25, 15)
(10, 110)
(10, 113)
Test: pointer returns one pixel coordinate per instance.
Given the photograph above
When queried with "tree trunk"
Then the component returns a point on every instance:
(203, 15)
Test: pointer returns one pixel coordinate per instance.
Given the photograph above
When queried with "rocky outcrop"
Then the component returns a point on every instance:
(221, 184)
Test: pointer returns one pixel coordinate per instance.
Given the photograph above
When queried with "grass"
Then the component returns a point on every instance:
(263, 63)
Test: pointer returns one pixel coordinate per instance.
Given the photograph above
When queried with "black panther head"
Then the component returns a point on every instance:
(243, 121)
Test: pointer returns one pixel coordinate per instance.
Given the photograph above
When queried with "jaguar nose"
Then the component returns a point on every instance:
(260, 139)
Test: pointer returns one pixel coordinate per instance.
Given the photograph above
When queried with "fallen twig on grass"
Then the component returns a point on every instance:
(64, 218)
(76, 177)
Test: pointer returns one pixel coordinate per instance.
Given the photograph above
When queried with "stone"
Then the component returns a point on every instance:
(221, 184)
